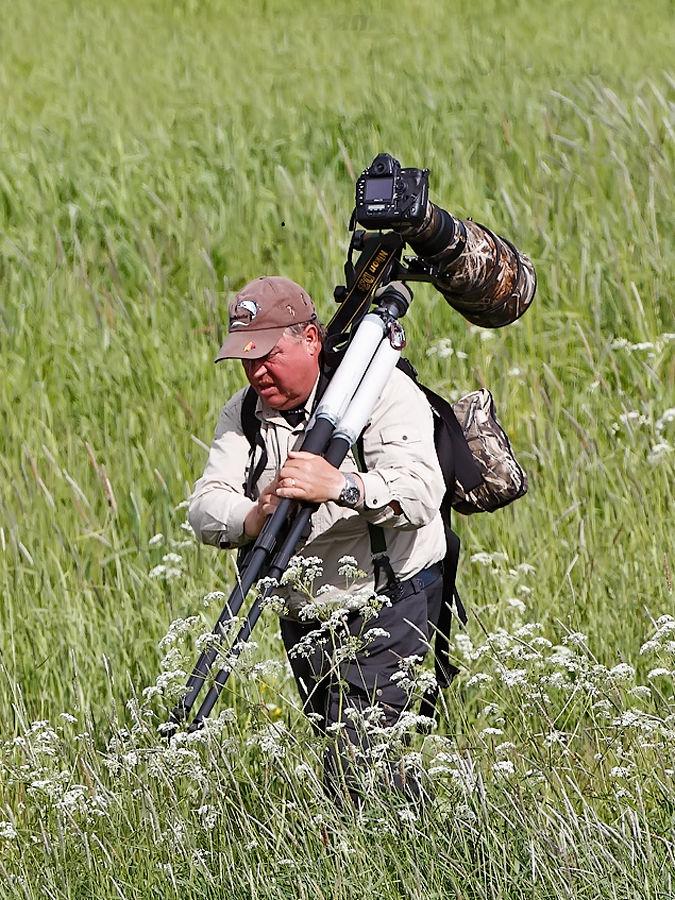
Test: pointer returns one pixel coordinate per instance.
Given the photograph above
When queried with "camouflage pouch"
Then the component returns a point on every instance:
(503, 479)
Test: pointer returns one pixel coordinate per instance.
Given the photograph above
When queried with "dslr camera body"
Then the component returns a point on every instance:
(388, 196)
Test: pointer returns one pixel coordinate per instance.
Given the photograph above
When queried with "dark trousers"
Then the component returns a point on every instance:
(332, 692)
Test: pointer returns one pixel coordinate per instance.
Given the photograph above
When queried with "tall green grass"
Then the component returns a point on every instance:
(153, 158)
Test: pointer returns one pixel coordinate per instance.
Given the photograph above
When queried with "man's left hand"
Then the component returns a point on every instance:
(308, 477)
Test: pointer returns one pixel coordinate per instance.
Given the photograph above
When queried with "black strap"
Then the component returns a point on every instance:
(444, 670)
(454, 455)
(378, 542)
(250, 425)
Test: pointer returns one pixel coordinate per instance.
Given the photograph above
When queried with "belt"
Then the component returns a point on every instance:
(423, 579)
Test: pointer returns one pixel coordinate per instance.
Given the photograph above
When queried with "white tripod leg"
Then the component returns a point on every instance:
(355, 418)
(345, 381)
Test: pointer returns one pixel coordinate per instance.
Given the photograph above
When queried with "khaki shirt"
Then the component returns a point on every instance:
(401, 463)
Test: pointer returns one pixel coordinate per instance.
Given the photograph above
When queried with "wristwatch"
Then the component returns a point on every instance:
(350, 493)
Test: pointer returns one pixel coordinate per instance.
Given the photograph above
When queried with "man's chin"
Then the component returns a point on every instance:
(273, 398)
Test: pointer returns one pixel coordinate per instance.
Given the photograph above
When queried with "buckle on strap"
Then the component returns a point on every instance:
(423, 579)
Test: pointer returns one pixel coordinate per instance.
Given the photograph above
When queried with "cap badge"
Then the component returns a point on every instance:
(244, 313)
(250, 346)
(291, 311)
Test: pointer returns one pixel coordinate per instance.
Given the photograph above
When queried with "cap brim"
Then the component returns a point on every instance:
(249, 344)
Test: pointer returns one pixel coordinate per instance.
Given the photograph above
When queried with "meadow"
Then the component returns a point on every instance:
(154, 157)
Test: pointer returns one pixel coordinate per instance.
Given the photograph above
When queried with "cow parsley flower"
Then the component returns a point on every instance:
(658, 452)
(621, 672)
(659, 672)
(173, 558)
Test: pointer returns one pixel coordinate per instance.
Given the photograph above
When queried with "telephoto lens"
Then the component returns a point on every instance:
(481, 275)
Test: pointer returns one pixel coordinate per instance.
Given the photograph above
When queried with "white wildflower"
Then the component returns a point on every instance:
(575, 639)
(641, 692)
(266, 583)
(178, 629)
(505, 747)
(555, 737)
(665, 419)
(407, 815)
(270, 740)
(633, 417)
(67, 717)
(636, 718)
(479, 678)
(659, 672)
(622, 672)
(156, 539)
(181, 545)
(555, 680)
(157, 571)
(665, 627)
(443, 349)
(167, 683)
(503, 768)
(514, 677)
(374, 633)
(185, 526)
(172, 558)
(488, 559)
(348, 567)
(208, 816)
(658, 452)
(7, 831)
(515, 603)
(620, 772)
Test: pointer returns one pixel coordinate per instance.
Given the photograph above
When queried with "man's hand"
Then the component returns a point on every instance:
(267, 503)
(311, 478)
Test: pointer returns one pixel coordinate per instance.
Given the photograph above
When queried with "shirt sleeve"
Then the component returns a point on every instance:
(218, 506)
(400, 459)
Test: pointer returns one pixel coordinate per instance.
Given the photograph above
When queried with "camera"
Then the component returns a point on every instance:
(388, 196)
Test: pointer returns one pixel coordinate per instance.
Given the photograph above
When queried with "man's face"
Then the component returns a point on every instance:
(284, 378)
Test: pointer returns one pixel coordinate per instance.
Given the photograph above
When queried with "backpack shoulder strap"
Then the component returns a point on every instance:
(378, 542)
(454, 455)
(250, 425)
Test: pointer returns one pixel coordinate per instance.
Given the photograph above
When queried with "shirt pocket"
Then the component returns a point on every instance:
(400, 435)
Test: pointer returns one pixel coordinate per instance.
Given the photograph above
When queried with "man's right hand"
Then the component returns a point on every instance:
(267, 503)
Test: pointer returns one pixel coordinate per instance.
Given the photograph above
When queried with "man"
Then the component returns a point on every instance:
(396, 486)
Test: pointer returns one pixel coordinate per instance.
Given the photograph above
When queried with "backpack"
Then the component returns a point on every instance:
(480, 472)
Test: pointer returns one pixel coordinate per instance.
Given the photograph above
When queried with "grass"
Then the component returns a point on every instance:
(153, 158)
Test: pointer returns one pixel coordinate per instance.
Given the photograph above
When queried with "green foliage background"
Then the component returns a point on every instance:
(154, 156)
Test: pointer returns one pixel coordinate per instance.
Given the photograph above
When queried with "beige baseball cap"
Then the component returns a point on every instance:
(260, 313)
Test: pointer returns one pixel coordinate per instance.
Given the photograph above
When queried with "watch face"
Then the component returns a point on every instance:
(350, 492)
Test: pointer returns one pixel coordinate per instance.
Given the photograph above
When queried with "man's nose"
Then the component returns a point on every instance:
(255, 367)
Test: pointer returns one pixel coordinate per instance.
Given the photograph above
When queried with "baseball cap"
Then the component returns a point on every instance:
(259, 314)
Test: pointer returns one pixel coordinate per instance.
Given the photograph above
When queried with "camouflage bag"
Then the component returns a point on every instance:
(504, 480)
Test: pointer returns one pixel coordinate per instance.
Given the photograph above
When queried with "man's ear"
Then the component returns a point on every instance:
(313, 340)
